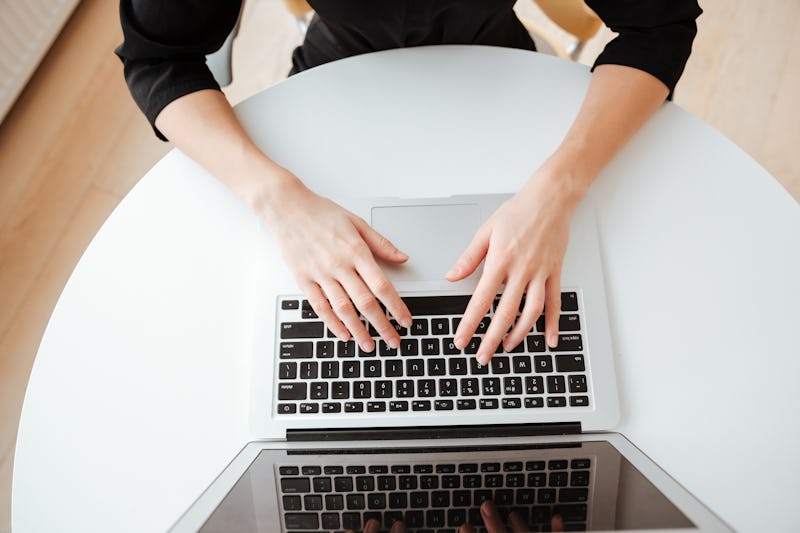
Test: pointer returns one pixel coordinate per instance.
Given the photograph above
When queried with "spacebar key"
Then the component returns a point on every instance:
(436, 305)
(302, 521)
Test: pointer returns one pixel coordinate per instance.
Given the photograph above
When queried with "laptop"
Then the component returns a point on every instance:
(423, 434)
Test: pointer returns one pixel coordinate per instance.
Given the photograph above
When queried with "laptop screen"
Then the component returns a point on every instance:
(577, 486)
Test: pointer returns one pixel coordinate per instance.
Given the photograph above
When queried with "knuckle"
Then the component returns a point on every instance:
(365, 302)
(340, 305)
(381, 286)
(504, 315)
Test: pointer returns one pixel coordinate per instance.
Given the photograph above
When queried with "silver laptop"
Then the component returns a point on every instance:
(423, 434)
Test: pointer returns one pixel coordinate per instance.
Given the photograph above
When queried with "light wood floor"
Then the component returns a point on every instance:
(75, 144)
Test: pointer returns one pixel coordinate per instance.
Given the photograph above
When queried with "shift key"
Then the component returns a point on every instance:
(292, 391)
(302, 330)
(302, 521)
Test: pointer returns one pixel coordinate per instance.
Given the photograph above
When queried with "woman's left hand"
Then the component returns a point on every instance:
(524, 242)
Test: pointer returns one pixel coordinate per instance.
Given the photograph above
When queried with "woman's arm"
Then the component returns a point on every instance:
(525, 240)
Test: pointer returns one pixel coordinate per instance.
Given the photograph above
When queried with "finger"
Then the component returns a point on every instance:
(372, 526)
(479, 305)
(491, 518)
(517, 525)
(343, 307)
(366, 303)
(552, 308)
(534, 301)
(398, 527)
(556, 523)
(466, 528)
(380, 245)
(381, 287)
(472, 256)
(319, 303)
(504, 316)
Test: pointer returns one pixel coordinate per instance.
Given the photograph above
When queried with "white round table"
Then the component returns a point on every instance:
(139, 394)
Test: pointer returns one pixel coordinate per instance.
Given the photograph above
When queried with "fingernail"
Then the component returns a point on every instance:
(552, 340)
(487, 509)
(368, 346)
(452, 272)
(406, 322)
(398, 253)
(394, 343)
(483, 358)
(459, 342)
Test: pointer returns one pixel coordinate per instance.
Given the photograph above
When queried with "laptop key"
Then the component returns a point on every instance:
(289, 471)
(469, 387)
(414, 519)
(292, 391)
(351, 521)
(376, 407)
(290, 304)
(324, 349)
(385, 350)
(458, 366)
(579, 478)
(302, 330)
(319, 390)
(569, 343)
(415, 367)
(308, 370)
(512, 403)
(569, 323)
(301, 521)
(440, 326)
(522, 364)
(543, 364)
(351, 369)
(405, 388)
(534, 385)
(436, 305)
(296, 350)
(421, 405)
(331, 407)
(448, 387)
(383, 389)
(362, 389)
(287, 408)
(491, 386)
(419, 326)
(580, 463)
(532, 403)
(312, 502)
(556, 401)
(472, 347)
(287, 371)
(426, 388)
(456, 517)
(573, 495)
(512, 385)
(372, 369)
(307, 408)
(393, 369)
(330, 521)
(437, 367)
(430, 347)
(536, 343)
(345, 348)
(556, 385)
(409, 347)
(488, 403)
(292, 503)
(295, 485)
(353, 407)
(466, 404)
(340, 390)
(443, 405)
(329, 370)
(569, 301)
(449, 346)
(577, 383)
(376, 500)
(476, 368)
(500, 365)
(579, 401)
(570, 363)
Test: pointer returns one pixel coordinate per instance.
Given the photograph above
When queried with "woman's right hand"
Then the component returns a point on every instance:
(331, 253)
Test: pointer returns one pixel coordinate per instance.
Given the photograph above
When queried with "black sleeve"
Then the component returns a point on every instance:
(165, 44)
(654, 35)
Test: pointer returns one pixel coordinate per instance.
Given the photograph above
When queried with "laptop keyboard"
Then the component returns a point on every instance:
(321, 375)
(434, 496)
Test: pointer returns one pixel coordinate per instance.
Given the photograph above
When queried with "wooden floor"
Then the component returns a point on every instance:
(75, 144)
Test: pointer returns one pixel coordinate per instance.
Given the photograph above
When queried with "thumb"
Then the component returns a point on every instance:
(380, 245)
(471, 257)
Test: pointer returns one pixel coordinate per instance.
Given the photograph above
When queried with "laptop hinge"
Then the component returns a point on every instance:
(433, 432)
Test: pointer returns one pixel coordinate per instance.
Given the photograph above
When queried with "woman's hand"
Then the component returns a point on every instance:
(330, 252)
(524, 242)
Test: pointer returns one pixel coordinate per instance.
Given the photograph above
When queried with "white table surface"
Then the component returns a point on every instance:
(138, 396)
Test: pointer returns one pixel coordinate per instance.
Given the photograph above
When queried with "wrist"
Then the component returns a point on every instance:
(561, 180)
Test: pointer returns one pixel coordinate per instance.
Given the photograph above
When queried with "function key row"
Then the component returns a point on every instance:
(287, 408)
(444, 468)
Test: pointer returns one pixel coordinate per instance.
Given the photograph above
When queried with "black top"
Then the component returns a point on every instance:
(166, 41)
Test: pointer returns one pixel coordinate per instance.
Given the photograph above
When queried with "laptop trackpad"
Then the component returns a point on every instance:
(433, 236)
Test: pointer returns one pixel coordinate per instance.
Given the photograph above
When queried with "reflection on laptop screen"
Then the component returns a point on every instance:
(590, 485)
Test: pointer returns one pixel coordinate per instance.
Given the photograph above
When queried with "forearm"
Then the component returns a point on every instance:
(618, 102)
(203, 125)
